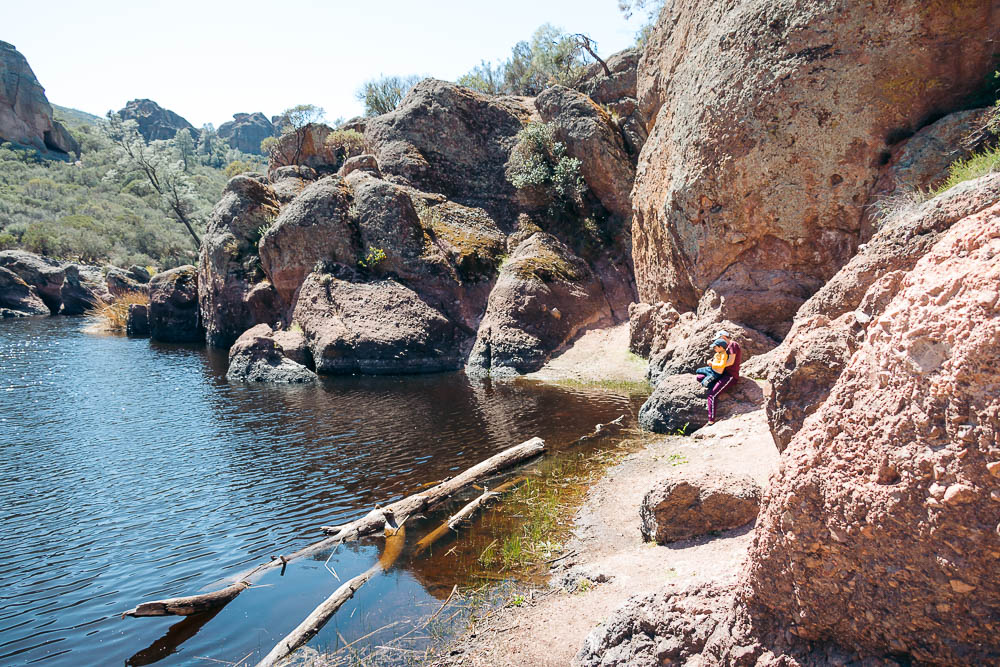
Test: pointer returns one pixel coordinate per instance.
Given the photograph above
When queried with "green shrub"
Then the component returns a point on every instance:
(346, 143)
(539, 161)
(374, 257)
(972, 167)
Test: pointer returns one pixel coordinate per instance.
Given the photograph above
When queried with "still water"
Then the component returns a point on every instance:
(133, 471)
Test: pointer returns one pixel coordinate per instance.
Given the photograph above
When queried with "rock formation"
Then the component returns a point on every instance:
(154, 121)
(173, 306)
(881, 531)
(246, 130)
(44, 275)
(764, 146)
(25, 112)
(258, 357)
(686, 506)
(18, 298)
(679, 403)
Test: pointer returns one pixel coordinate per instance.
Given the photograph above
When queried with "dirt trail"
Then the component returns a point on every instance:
(598, 355)
(550, 626)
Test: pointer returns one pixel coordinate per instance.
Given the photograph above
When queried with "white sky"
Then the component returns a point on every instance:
(208, 60)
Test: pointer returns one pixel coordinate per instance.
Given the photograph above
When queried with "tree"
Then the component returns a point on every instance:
(652, 7)
(185, 146)
(384, 94)
(484, 78)
(590, 46)
(291, 125)
(153, 163)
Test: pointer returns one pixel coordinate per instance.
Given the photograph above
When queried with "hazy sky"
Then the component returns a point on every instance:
(207, 60)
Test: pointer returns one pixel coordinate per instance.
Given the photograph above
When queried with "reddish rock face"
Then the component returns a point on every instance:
(832, 324)
(881, 531)
(173, 306)
(256, 356)
(771, 121)
(17, 298)
(25, 112)
(686, 506)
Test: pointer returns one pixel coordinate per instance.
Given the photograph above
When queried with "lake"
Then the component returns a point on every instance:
(133, 471)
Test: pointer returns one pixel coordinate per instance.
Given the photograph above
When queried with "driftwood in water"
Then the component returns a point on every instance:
(314, 622)
(401, 509)
(374, 520)
(604, 430)
(465, 513)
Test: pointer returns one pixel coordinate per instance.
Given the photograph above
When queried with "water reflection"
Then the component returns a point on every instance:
(133, 471)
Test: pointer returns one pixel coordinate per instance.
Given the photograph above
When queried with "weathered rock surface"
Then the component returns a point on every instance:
(679, 403)
(921, 162)
(246, 130)
(305, 147)
(257, 357)
(360, 163)
(154, 121)
(81, 290)
(771, 121)
(293, 345)
(451, 140)
(314, 226)
(667, 627)
(228, 273)
(832, 324)
(17, 298)
(374, 327)
(43, 274)
(589, 136)
(138, 274)
(137, 320)
(545, 294)
(880, 531)
(25, 112)
(686, 506)
(119, 281)
(617, 94)
(173, 306)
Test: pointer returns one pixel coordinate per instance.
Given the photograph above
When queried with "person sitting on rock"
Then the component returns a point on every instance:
(709, 375)
(731, 373)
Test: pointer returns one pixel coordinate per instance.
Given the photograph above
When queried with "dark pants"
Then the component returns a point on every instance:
(706, 376)
(724, 382)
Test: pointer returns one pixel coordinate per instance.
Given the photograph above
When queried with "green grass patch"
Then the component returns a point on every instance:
(617, 386)
(975, 166)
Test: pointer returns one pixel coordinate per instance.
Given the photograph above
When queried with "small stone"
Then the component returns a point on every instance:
(937, 490)
(995, 495)
(994, 468)
(957, 494)
(960, 586)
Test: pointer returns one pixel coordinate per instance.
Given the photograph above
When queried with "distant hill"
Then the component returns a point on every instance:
(73, 118)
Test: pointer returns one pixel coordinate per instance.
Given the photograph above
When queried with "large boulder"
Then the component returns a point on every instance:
(544, 295)
(173, 306)
(306, 147)
(832, 324)
(452, 140)
(589, 136)
(881, 530)
(315, 226)
(25, 112)
(43, 274)
(18, 298)
(374, 327)
(257, 357)
(246, 130)
(771, 123)
(687, 506)
(154, 121)
(231, 298)
(678, 404)
(118, 281)
(81, 291)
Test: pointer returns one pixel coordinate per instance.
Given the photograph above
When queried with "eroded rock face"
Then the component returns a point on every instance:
(306, 147)
(589, 136)
(154, 121)
(686, 506)
(25, 112)
(451, 140)
(43, 274)
(833, 323)
(137, 320)
(173, 306)
(880, 530)
(257, 357)
(770, 124)
(667, 627)
(228, 273)
(374, 327)
(314, 226)
(246, 130)
(545, 294)
(119, 281)
(80, 291)
(679, 403)
(17, 298)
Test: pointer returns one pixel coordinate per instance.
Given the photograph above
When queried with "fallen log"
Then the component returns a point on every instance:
(401, 509)
(314, 622)
(463, 514)
(374, 520)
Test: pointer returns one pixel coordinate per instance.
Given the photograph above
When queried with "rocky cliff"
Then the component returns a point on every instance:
(154, 121)
(769, 127)
(421, 255)
(25, 112)
(246, 130)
